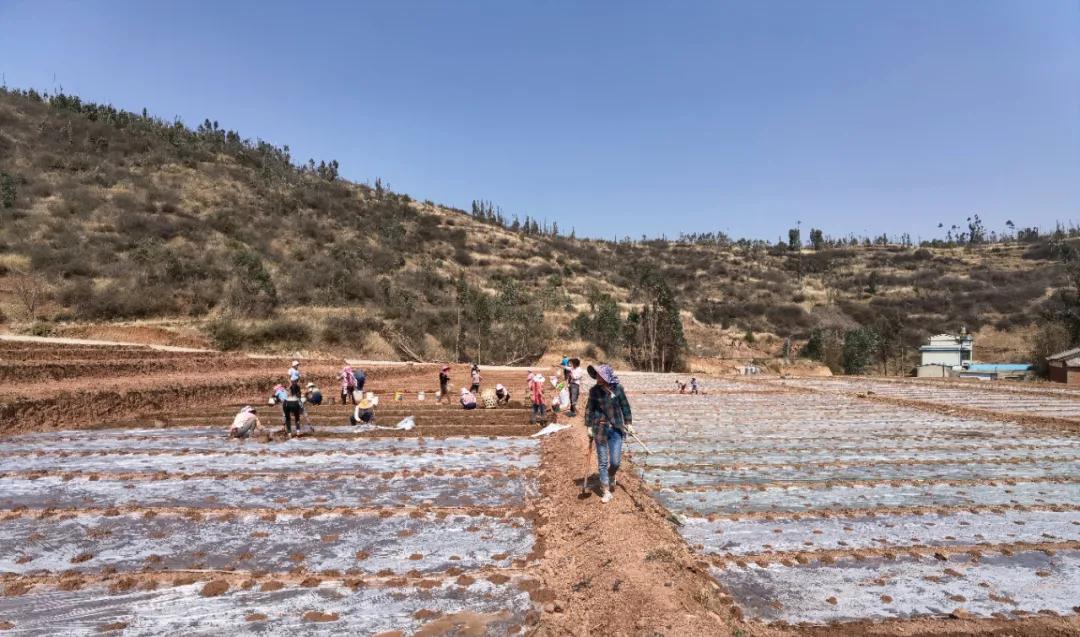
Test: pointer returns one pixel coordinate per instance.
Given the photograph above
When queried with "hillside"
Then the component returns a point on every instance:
(108, 216)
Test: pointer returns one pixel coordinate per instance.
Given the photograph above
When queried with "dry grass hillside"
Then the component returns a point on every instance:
(112, 218)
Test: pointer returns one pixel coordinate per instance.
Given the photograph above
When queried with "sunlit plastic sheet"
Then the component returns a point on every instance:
(878, 588)
(215, 439)
(802, 473)
(201, 462)
(873, 496)
(488, 608)
(1063, 406)
(753, 536)
(256, 492)
(720, 456)
(322, 542)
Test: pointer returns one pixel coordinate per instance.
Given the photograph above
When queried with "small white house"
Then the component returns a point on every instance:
(947, 350)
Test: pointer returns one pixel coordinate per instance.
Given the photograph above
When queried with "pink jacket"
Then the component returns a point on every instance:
(348, 381)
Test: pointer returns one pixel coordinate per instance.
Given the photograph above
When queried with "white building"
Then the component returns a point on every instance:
(947, 350)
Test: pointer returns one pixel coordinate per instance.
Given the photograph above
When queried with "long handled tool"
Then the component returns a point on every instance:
(588, 467)
(643, 446)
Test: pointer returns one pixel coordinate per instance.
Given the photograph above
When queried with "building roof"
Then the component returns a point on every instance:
(1069, 355)
(999, 367)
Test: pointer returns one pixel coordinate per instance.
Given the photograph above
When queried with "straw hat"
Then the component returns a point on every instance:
(311, 385)
(364, 404)
(296, 364)
(445, 368)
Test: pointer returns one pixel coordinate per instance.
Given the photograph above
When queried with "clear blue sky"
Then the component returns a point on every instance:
(616, 118)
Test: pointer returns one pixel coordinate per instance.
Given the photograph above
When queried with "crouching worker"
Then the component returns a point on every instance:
(313, 396)
(468, 399)
(502, 396)
(245, 424)
(608, 417)
(363, 413)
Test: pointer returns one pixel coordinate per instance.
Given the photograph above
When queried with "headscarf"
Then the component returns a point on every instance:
(604, 371)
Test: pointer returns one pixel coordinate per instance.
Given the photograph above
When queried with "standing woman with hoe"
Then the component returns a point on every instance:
(608, 418)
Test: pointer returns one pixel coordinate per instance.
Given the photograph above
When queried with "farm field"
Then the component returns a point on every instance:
(824, 507)
(148, 521)
(766, 507)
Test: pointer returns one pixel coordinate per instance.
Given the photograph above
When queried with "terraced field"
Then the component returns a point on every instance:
(823, 507)
(766, 508)
(362, 534)
(159, 524)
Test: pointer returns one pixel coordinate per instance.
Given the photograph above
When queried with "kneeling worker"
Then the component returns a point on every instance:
(245, 423)
(313, 395)
(502, 395)
(363, 413)
(468, 400)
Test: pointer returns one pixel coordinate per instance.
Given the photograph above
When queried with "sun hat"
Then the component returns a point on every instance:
(445, 368)
(464, 391)
(500, 387)
(247, 409)
(310, 385)
(295, 364)
(605, 372)
(538, 378)
(364, 404)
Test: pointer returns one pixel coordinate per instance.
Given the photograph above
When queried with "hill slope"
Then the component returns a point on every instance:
(108, 215)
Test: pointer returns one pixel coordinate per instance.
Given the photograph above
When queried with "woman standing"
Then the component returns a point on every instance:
(348, 384)
(608, 417)
(475, 386)
(444, 383)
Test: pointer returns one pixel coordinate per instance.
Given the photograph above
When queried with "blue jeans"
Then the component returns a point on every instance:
(609, 454)
(537, 412)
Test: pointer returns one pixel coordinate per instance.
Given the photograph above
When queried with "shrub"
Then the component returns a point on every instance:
(279, 331)
(225, 335)
(338, 330)
(251, 291)
(859, 347)
(462, 256)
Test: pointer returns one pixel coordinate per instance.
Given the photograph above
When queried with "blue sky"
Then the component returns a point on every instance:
(616, 118)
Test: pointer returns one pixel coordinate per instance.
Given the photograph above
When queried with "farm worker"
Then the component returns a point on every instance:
(502, 396)
(565, 364)
(608, 417)
(468, 399)
(364, 412)
(693, 386)
(360, 377)
(278, 398)
(536, 394)
(681, 386)
(245, 423)
(313, 395)
(293, 408)
(574, 374)
(348, 384)
(444, 383)
(294, 376)
(475, 387)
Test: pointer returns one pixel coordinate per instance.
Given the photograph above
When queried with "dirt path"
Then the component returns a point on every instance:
(620, 568)
(57, 340)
